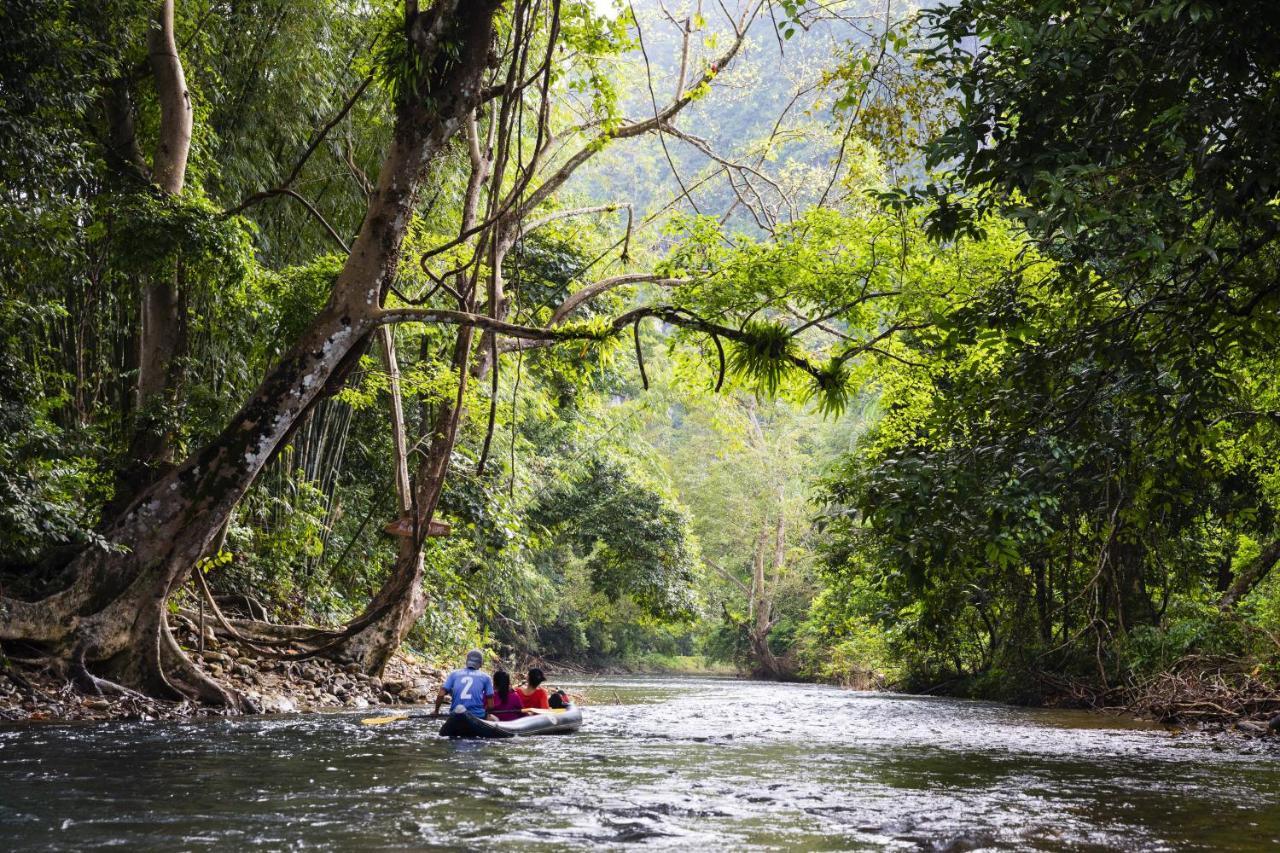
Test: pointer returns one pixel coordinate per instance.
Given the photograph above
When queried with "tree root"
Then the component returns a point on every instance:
(189, 680)
(258, 643)
(94, 685)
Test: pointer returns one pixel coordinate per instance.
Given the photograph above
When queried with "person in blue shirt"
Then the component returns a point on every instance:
(467, 688)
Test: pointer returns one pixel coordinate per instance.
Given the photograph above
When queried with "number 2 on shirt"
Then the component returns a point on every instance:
(467, 681)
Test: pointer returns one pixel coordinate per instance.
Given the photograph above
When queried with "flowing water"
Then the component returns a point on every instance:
(670, 763)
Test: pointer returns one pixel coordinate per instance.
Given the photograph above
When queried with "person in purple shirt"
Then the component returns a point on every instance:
(506, 704)
(467, 688)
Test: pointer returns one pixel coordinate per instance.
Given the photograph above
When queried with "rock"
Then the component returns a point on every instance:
(352, 668)
(1251, 727)
(212, 657)
(386, 698)
(232, 652)
(274, 704)
(411, 696)
(359, 702)
(395, 686)
(1274, 725)
(252, 704)
(244, 671)
(98, 704)
(329, 699)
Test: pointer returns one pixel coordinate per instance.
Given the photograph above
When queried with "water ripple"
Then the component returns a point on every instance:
(661, 762)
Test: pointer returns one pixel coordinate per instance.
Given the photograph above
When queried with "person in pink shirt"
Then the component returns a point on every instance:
(505, 703)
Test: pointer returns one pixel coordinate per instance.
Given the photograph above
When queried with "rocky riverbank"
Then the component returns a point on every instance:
(32, 692)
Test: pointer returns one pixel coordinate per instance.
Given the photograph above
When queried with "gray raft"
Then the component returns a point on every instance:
(464, 725)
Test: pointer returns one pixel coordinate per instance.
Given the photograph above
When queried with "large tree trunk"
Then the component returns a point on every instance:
(760, 612)
(161, 338)
(113, 613)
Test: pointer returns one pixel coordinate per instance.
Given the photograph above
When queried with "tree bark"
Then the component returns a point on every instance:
(1252, 575)
(399, 445)
(760, 611)
(169, 166)
(113, 614)
(161, 336)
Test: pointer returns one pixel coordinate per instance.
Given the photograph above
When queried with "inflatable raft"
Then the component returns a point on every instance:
(464, 725)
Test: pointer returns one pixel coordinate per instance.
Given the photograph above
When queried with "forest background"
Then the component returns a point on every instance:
(954, 375)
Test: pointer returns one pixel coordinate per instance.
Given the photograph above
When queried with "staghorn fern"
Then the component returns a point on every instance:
(830, 389)
(762, 354)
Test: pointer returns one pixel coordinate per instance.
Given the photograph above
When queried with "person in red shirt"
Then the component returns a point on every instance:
(534, 696)
(504, 705)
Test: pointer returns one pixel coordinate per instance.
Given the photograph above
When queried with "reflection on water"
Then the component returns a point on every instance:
(666, 762)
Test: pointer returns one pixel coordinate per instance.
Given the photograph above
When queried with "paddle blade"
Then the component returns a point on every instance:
(378, 721)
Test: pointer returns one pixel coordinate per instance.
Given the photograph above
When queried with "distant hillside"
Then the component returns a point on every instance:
(775, 88)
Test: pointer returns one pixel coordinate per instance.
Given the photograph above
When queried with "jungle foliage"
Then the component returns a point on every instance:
(1078, 481)
(834, 341)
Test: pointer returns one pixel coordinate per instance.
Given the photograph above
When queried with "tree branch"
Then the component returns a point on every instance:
(591, 291)
(306, 155)
(266, 194)
(638, 128)
(554, 216)
(729, 577)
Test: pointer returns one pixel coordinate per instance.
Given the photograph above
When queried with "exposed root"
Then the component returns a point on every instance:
(193, 683)
(93, 685)
(1198, 691)
(291, 634)
(1201, 689)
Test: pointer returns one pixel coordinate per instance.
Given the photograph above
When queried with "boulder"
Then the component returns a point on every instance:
(1251, 727)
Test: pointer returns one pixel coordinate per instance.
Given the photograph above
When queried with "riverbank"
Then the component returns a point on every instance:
(1198, 693)
(1210, 701)
(32, 692)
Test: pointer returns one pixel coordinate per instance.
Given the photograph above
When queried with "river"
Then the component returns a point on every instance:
(671, 763)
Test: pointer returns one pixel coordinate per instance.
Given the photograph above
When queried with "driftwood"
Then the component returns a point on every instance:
(1196, 690)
